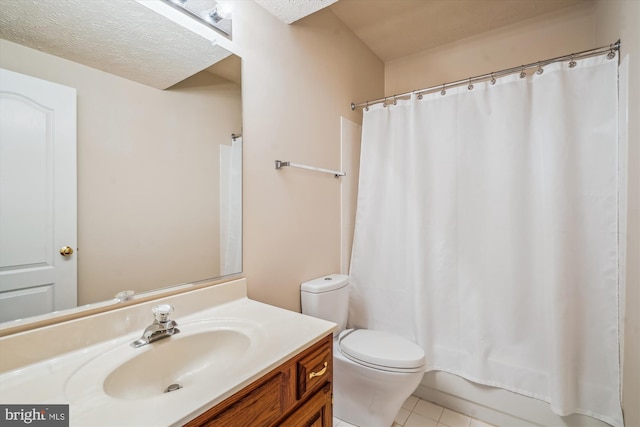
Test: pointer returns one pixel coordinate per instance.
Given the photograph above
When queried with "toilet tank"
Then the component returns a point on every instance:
(327, 298)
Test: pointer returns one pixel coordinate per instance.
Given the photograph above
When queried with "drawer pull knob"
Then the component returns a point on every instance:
(320, 372)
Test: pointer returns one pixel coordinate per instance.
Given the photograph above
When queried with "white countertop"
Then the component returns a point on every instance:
(283, 334)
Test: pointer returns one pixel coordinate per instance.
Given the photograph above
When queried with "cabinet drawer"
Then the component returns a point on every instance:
(314, 369)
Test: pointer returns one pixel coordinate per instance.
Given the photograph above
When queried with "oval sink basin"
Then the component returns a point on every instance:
(201, 352)
(175, 360)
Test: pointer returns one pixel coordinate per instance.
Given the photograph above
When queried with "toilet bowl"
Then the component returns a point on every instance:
(374, 372)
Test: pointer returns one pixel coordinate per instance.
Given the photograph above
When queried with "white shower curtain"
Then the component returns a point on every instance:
(487, 232)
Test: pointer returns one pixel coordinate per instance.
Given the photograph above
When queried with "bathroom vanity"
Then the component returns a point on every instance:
(235, 362)
(296, 393)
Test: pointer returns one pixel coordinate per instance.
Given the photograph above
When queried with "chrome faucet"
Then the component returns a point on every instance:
(162, 327)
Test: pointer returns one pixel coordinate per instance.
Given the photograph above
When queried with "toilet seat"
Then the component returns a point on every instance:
(381, 350)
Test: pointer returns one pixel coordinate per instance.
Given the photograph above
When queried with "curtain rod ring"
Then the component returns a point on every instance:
(572, 62)
(470, 87)
(443, 92)
(366, 107)
(493, 79)
(523, 74)
(612, 52)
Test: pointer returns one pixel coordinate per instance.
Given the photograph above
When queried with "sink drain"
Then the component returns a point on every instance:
(172, 387)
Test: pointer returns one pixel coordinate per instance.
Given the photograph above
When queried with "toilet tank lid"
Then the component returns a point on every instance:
(325, 283)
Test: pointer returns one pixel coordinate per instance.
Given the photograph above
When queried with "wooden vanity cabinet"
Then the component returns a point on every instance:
(295, 394)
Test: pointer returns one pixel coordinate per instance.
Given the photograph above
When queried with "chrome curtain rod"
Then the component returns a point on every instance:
(610, 50)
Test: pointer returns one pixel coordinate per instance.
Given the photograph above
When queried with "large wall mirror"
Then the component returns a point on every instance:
(159, 146)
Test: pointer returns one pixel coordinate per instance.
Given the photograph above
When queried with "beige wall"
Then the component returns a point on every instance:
(574, 29)
(297, 81)
(147, 173)
(570, 30)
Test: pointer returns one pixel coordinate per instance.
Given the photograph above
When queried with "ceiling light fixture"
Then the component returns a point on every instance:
(214, 14)
(223, 10)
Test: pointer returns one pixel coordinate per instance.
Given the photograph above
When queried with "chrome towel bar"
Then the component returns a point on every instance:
(337, 174)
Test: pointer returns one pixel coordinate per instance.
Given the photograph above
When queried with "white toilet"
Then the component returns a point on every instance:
(373, 371)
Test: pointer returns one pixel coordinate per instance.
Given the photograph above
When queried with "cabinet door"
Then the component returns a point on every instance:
(315, 412)
(259, 405)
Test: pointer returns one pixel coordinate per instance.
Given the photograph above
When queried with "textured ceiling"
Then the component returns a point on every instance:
(397, 28)
(121, 37)
(289, 11)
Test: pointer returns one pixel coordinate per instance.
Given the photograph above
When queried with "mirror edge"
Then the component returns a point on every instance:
(35, 322)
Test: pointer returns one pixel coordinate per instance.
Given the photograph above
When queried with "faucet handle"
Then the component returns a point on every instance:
(162, 312)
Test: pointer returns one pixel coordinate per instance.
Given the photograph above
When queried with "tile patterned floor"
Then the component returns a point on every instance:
(416, 412)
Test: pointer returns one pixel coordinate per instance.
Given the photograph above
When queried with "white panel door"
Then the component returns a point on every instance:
(37, 196)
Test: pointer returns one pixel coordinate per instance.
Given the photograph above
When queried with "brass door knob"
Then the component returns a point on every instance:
(66, 251)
